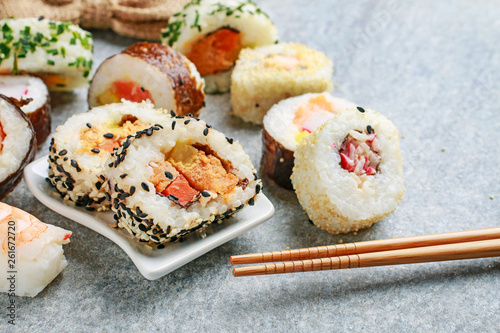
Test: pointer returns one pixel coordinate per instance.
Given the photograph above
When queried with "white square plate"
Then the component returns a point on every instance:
(153, 264)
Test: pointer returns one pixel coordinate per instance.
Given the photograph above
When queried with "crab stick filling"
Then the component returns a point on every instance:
(311, 115)
(359, 152)
(130, 90)
(216, 52)
(190, 173)
(105, 137)
(2, 137)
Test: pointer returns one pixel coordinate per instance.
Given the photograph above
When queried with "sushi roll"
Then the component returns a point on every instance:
(287, 123)
(170, 180)
(149, 71)
(17, 145)
(60, 53)
(31, 95)
(348, 174)
(80, 149)
(265, 75)
(211, 33)
(39, 256)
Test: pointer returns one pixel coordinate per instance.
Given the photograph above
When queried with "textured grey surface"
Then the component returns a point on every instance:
(433, 68)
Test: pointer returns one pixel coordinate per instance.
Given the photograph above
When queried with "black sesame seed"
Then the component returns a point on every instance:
(65, 159)
(168, 230)
(142, 227)
(172, 113)
(138, 134)
(132, 190)
(145, 186)
(205, 132)
(158, 125)
(137, 218)
(98, 185)
(90, 209)
(123, 175)
(102, 177)
(149, 132)
(187, 121)
(230, 140)
(95, 150)
(203, 104)
(109, 135)
(116, 217)
(108, 197)
(154, 238)
(63, 152)
(257, 105)
(257, 189)
(173, 125)
(251, 202)
(173, 197)
(143, 90)
(189, 114)
(155, 231)
(60, 168)
(88, 125)
(126, 144)
(206, 194)
(169, 175)
(41, 18)
(74, 164)
(369, 129)
(160, 246)
(110, 164)
(360, 109)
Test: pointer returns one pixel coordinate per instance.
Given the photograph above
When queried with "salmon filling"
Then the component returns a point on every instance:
(191, 171)
(129, 90)
(216, 52)
(359, 152)
(311, 115)
(108, 136)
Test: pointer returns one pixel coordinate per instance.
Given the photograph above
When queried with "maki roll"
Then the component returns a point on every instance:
(60, 53)
(32, 96)
(211, 33)
(149, 71)
(348, 174)
(38, 247)
(80, 149)
(17, 145)
(169, 180)
(265, 75)
(287, 123)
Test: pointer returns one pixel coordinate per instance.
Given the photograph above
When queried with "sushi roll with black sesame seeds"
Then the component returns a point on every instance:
(287, 123)
(80, 149)
(17, 145)
(60, 53)
(31, 95)
(177, 179)
(149, 71)
(211, 33)
(348, 174)
(265, 75)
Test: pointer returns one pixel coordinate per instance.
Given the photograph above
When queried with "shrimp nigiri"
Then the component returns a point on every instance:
(31, 253)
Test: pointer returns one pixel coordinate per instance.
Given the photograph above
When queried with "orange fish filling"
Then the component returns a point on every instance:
(2, 137)
(216, 52)
(188, 171)
(129, 90)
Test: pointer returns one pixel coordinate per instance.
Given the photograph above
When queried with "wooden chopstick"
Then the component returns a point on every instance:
(369, 246)
(455, 251)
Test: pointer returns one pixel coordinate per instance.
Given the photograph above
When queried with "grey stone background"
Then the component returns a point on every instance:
(433, 68)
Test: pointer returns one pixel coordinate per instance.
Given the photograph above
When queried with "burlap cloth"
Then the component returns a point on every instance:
(142, 19)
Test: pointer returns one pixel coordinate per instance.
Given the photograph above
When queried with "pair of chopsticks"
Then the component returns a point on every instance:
(480, 243)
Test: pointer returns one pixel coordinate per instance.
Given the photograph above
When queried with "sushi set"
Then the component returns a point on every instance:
(144, 169)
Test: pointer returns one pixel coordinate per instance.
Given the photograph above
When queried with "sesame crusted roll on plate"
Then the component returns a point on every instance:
(169, 180)
(287, 123)
(17, 145)
(60, 53)
(265, 75)
(31, 95)
(80, 149)
(211, 33)
(149, 71)
(348, 174)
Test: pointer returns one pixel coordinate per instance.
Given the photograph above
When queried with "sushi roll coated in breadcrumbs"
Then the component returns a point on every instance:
(17, 145)
(31, 95)
(211, 33)
(348, 174)
(81, 147)
(149, 71)
(169, 180)
(287, 123)
(39, 256)
(265, 75)
(60, 53)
